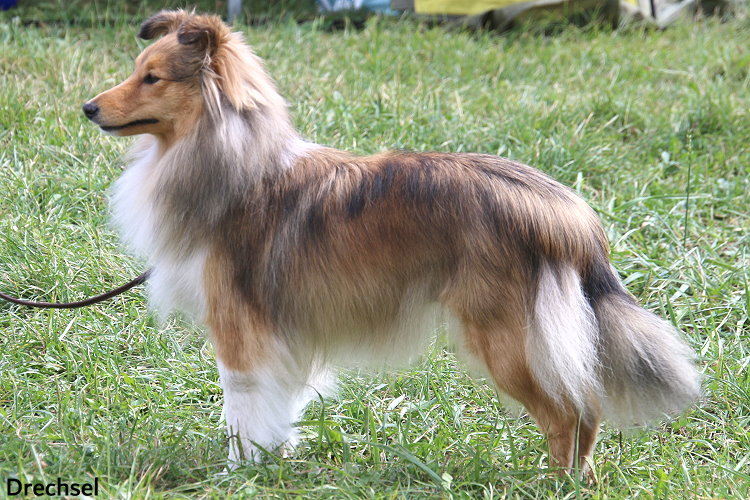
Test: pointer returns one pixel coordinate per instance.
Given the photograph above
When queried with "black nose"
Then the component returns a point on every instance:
(90, 109)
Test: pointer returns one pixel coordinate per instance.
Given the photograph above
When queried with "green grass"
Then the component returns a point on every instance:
(628, 118)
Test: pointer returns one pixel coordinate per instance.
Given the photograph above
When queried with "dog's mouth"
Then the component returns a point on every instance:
(135, 123)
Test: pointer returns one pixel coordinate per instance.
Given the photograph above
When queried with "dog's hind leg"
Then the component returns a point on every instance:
(587, 430)
(571, 434)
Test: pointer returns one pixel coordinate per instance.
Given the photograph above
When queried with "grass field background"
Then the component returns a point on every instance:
(636, 120)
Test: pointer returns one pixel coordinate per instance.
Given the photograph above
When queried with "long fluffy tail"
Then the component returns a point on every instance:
(590, 339)
(646, 369)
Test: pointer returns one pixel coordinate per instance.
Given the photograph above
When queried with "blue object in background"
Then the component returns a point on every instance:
(372, 5)
(7, 4)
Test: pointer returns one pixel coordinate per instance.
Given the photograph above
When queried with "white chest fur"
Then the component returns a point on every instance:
(176, 282)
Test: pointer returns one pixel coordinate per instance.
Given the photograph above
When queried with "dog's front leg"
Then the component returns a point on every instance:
(260, 407)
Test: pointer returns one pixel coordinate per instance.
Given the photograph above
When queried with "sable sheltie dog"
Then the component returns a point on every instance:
(300, 258)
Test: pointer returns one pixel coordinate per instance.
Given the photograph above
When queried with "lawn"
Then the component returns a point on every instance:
(652, 128)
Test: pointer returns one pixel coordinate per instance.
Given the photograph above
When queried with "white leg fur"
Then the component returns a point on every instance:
(260, 407)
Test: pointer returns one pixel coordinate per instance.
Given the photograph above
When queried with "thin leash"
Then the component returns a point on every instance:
(80, 303)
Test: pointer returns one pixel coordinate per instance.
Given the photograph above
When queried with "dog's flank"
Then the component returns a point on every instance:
(300, 257)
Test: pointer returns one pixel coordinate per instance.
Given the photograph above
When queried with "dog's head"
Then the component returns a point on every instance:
(198, 65)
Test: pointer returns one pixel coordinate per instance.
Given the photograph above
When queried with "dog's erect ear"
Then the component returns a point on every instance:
(204, 33)
(162, 23)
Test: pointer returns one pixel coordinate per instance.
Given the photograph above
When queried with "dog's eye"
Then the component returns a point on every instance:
(150, 79)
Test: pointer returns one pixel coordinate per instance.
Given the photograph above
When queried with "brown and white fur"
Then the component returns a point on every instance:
(300, 258)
